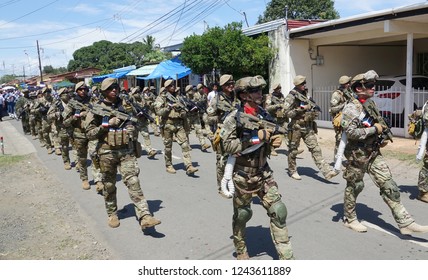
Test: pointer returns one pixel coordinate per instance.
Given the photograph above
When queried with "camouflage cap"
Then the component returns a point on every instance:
(152, 88)
(162, 89)
(94, 88)
(145, 89)
(370, 75)
(276, 86)
(189, 88)
(62, 90)
(199, 86)
(257, 82)
(79, 85)
(298, 80)
(241, 85)
(225, 78)
(107, 83)
(344, 80)
(135, 89)
(168, 83)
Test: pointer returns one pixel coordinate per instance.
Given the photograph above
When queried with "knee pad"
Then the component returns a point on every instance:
(185, 147)
(242, 215)
(390, 190)
(132, 181)
(278, 214)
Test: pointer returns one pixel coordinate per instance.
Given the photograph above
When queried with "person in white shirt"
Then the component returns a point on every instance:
(212, 93)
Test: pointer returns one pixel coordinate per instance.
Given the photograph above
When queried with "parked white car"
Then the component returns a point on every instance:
(390, 96)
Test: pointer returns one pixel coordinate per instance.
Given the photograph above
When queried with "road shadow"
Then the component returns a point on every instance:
(181, 166)
(310, 172)
(412, 191)
(372, 216)
(259, 242)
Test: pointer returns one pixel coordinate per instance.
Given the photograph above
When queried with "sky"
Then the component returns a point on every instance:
(61, 27)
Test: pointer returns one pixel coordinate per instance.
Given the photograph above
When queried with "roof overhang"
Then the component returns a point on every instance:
(382, 27)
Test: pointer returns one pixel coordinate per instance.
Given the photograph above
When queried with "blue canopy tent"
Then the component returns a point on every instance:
(169, 69)
(117, 74)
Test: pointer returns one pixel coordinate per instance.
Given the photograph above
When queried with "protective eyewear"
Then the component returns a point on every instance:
(369, 85)
(229, 84)
(113, 86)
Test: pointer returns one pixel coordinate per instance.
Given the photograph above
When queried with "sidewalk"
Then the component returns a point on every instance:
(14, 141)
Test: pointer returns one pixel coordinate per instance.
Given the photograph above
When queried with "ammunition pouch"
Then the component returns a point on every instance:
(337, 120)
(138, 149)
(117, 137)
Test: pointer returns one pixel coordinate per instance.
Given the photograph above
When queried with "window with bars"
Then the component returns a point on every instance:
(422, 64)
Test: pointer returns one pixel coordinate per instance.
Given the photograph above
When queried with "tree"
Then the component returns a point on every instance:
(106, 55)
(228, 50)
(7, 78)
(302, 9)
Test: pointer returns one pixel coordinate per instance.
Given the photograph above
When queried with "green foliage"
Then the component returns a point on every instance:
(7, 78)
(48, 69)
(106, 55)
(228, 50)
(303, 9)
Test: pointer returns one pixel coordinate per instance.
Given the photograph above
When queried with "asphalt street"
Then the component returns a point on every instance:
(196, 221)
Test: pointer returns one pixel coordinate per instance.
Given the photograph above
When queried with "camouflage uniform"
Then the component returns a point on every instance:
(173, 123)
(217, 111)
(42, 106)
(253, 176)
(338, 100)
(423, 173)
(303, 126)
(56, 117)
(194, 116)
(75, 119)
(274, 105)
(117, 148)
(149, 98)
(364, 130)
(22, 110)
(32, 114)
(143, 124)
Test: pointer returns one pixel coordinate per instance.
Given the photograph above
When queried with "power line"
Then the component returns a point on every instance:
(178, 20)
(27, 14)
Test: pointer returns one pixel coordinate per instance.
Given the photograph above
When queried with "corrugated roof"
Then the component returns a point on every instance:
(273, 25)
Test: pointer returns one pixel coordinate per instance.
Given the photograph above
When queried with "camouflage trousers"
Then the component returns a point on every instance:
(266, 189)
(32, 123)
(45, 133)
(81, 147)
(178, 130)
(362, 161)
(144, 131)
(110, 161)
(64, 140)
(25, 122)
(310, 138)
(195, 121)
(423, 175)
(92, 150)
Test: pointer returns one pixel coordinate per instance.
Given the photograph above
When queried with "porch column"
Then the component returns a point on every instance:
(409, 98)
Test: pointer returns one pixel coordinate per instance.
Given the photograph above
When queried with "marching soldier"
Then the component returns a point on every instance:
(174, 123)
(251, 172)
(22, 108)
(194, 115)
(118, 148)
(56, 116)
(338, 100)
(74, 117)
(367, 132)
(302, 112)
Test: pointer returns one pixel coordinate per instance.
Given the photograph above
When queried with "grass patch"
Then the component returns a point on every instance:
(408, 158)
(8, 159)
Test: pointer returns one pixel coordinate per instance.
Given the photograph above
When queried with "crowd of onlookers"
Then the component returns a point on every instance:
(8, 100)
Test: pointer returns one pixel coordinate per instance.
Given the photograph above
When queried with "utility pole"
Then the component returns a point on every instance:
(245, 16)
(40, 63)
(23, 70)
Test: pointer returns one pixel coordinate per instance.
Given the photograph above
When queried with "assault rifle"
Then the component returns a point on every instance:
(192, 105)
(141, 111)
(371, 110)
(173, 100)
(307, 100)
(253, 122)
(102, 111)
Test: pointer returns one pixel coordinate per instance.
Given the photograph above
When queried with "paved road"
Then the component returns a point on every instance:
(196, 221)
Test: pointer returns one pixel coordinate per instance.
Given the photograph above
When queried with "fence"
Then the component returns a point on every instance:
(390, 101)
